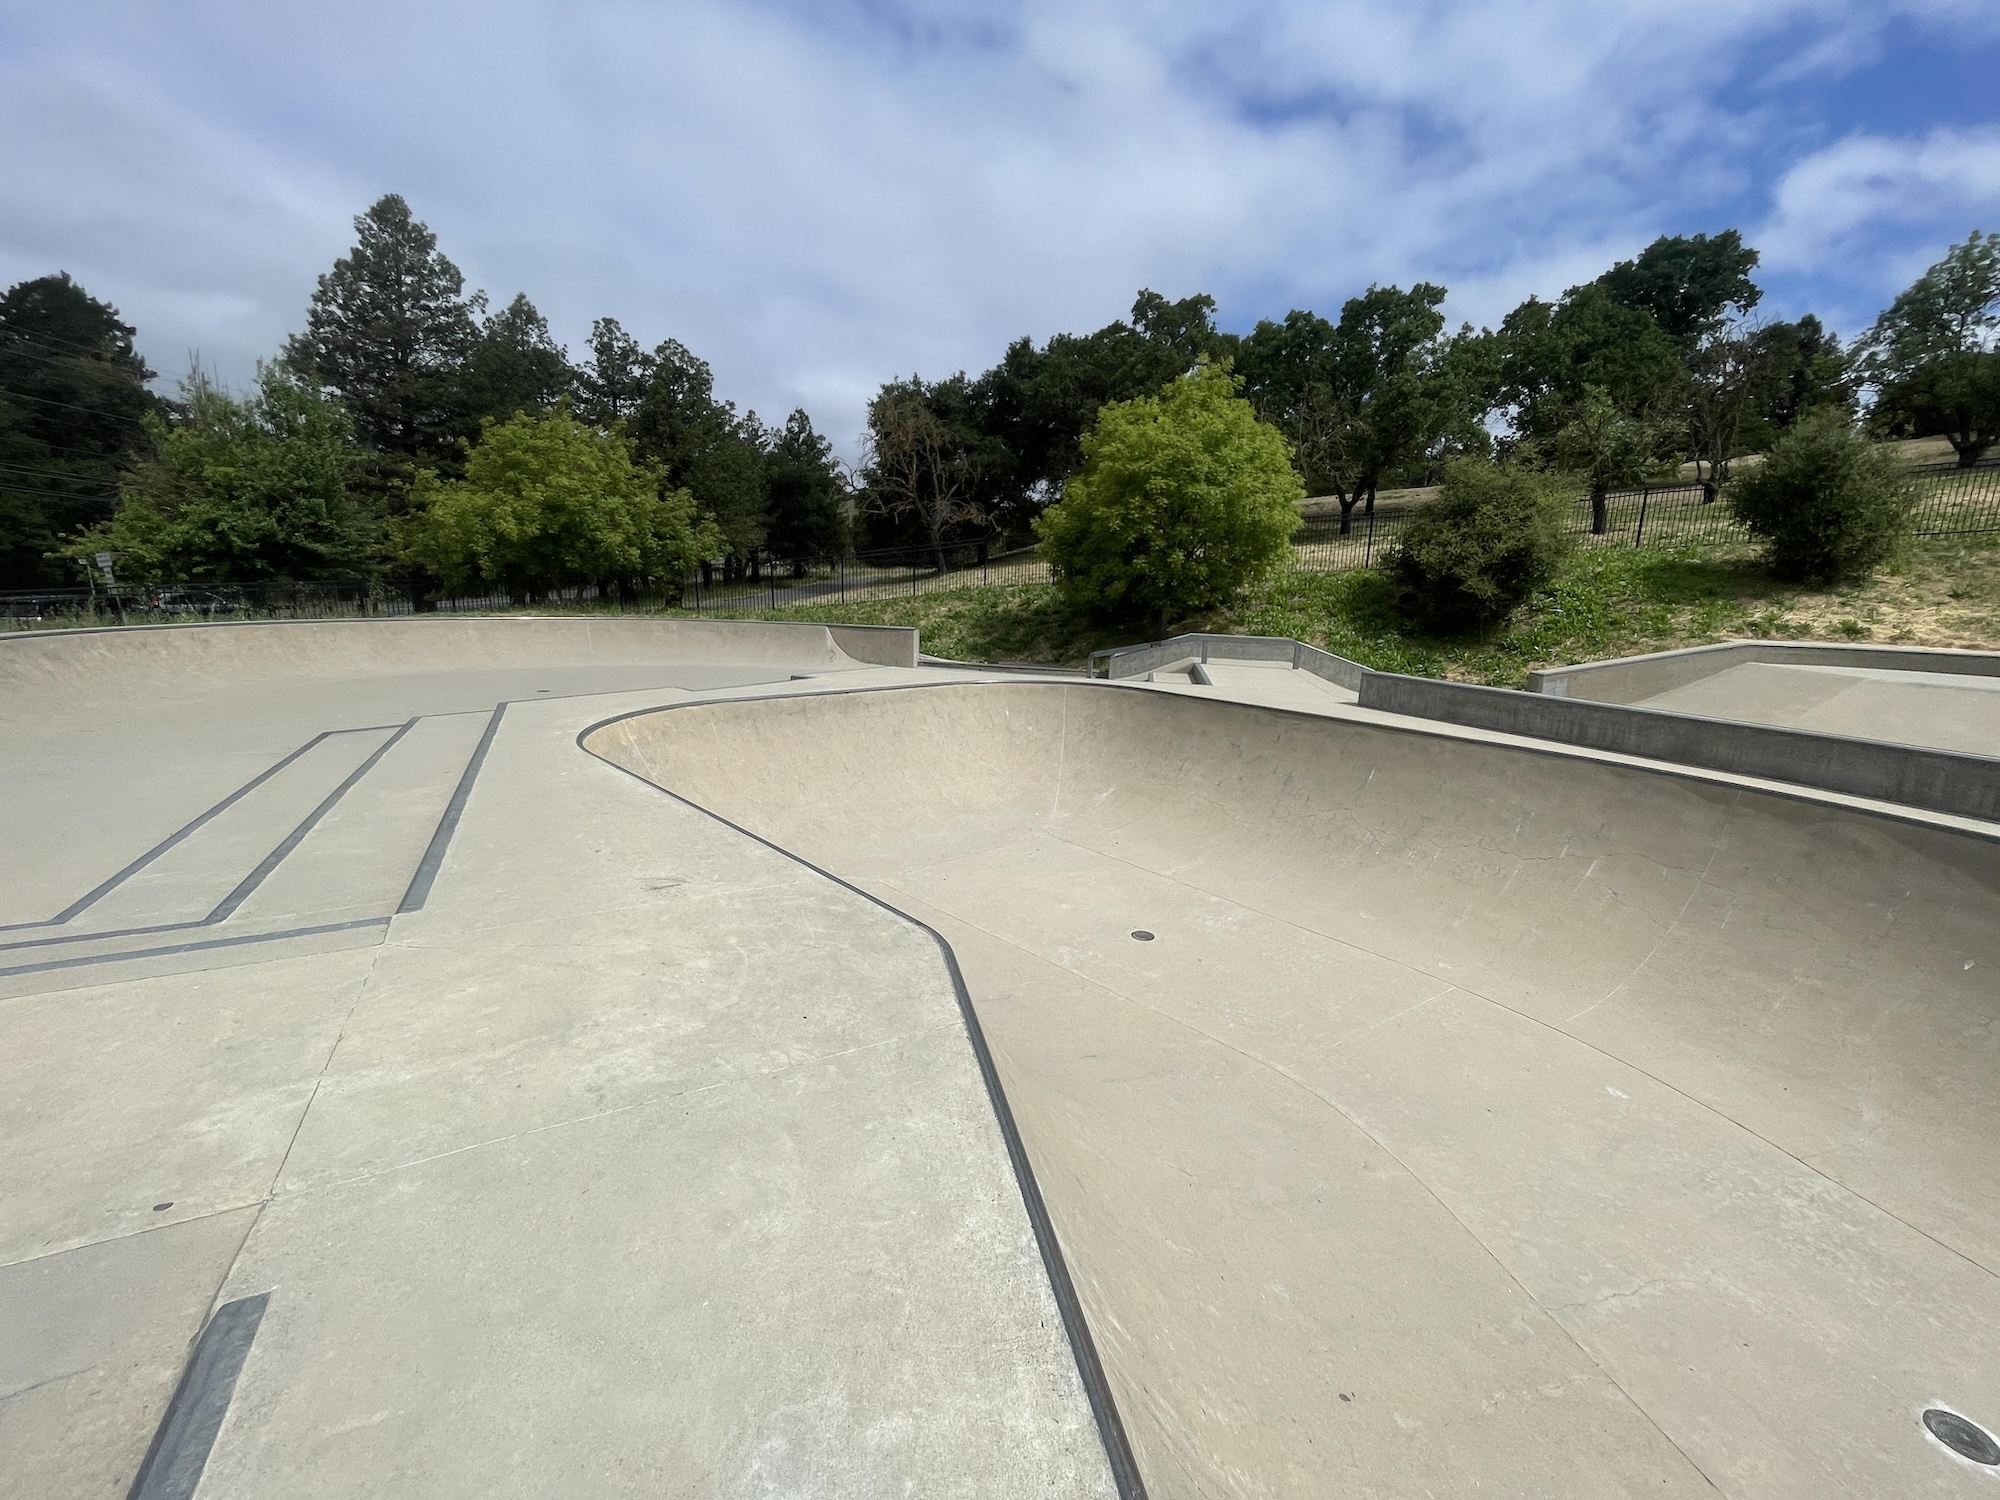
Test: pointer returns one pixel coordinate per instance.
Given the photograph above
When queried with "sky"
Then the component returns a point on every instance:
(819, 195)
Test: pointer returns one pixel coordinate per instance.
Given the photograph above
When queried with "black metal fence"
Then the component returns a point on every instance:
(1951, 501)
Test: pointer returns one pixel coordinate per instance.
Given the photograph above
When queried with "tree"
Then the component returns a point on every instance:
(1605, 447)
(516, 366)
(610, 387)
(1475, 554)
(1801, 367)
(1826, 504)
(917, 468)
(237, 490)
(1382, 393)
(1724, 370)
(704, 448)
(73, 406)
(1931, 354)
(1688, 284)
(390, 331)
(1184, 498)
(548, 502)
(804, 496)
(1026, 416)
(1550, 354)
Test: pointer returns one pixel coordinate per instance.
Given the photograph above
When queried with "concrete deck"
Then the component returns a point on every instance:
(1478, 1117)
(1934, 709)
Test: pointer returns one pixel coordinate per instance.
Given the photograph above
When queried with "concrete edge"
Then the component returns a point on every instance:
(1083, 1347)
(1137, 661)
(878, 645)
(1628, 679)
(1937, 780)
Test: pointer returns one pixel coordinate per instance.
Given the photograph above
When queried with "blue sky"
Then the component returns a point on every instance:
(818, 196)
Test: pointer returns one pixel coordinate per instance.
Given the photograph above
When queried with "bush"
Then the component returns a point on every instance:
(1826, 503)
(1184, 498)
(1472, 556)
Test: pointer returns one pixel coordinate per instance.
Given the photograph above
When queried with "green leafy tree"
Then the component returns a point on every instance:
(392, 333)
(1689, 284)
(1550, 354)
(1932, 354)
(1826, 504)
(1381, 395)
(1605, 448)
(548, 502)
(516, 366)
(1184, 499)
(237, 490)
(73, 408)
(1801, 367)
(1475, 554)
(1025, 418)
(705, 448)
(804, 496)
(614, 380)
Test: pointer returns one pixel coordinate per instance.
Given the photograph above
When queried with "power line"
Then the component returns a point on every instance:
(65, 405)
(97, 365)
(55, 341)
(22, 489)
(37, 473)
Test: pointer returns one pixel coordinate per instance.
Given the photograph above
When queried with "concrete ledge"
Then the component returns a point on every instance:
(1630, 679)
(1137, 661)
(1939, 780)
(879, 645)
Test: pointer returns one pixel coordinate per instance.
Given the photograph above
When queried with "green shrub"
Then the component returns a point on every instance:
(1826, 503)
(1472, 556)
(1184, 498)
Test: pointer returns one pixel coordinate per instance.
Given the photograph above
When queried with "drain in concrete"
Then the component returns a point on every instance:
(1142, 935)
(1966, 1439)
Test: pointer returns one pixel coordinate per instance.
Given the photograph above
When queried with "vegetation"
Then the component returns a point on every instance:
(1603, 602)
(240, 490)
(73, 403)
(1492, 537)
(548, 501)
(1183, 499)
(400, 374)
(1932, 354)
(1826, 503)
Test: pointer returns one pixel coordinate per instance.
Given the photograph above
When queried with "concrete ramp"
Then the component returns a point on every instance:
(1427, 1116)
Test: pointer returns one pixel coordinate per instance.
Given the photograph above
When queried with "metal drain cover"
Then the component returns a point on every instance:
(1966, 1439)
(1142, 935)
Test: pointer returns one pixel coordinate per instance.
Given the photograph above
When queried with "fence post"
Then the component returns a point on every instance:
(1645, 494)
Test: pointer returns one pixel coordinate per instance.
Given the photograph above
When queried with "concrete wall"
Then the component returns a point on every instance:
(1632, 679)
(61, 663)
(1137, 661)
(1942, 781)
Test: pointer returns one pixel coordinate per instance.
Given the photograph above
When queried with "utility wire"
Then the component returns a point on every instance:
(7, 487)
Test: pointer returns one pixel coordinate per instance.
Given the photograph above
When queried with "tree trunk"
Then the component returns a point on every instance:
(1600, 514)
(1347, 512)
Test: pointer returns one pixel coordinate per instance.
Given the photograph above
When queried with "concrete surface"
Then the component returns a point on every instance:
(637, 1160)
(1943, 711)
(1480, 1118)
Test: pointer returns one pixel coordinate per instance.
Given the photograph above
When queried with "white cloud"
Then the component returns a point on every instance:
(1833, 197)
(818, 196)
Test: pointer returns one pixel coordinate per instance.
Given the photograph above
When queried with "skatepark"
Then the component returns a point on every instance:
(625, 1057)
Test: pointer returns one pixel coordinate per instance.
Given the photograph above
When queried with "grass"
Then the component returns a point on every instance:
(1942, 591)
